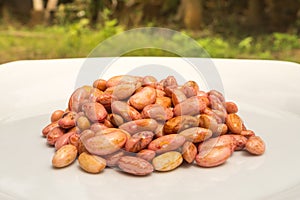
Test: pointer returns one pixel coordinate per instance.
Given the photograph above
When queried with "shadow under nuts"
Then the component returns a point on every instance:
(141, 125)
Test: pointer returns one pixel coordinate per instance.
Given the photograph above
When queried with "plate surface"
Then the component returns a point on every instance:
(268, 95)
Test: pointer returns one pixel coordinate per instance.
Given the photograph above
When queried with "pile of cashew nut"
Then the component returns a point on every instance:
(140, 125)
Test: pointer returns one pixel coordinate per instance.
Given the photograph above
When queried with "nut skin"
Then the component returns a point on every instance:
(91, 163)
(127, 112)
(191, 106)
(214, 157)
(157, 112)
(94, 111)
(196, 134)
(64, 156)
(231, 107)
(56, 115)
(234, 123)
(49, 127)
(100, 84)
(255, 145)
(54, 134)
(139, 125)
(180, 123)
(105, 144)
(135, 166)
(143, 98)
(146, 154)
(138, 141)
(167, 161)
(163, 101)
(189, 152)
(68, 120)
(166, 143)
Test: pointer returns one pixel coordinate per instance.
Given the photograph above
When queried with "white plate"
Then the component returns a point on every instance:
(268, 95)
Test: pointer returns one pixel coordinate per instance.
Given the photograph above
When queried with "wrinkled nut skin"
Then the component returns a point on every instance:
(127, 112)
(214, 157)
(166, 143)
(64, 156)
(63, 140)
(91, 163)
(56, 115)
(135, 166)
(234, 123)
(139, 125)
(94, 111)
(255, 145)
(170, 81)
(54, 134)
(189, 152)
(157, 112)
(105, 144)
(231, 107)
(113, 159)
(167, 161)
(100, 84)
(191, 106)
(74, 140)
(146, 154)
(143, 98)
(247, 133)
(216, 103)
(105, 100)
(49, 127)
(68, 120)
(196, 134)
(164, 101)
(190, 89)
(138, 141)
(180, 123)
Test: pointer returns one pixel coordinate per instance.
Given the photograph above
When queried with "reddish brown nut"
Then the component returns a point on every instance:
(79, 97)
(196, 134)
(56, 115)
(191, 106)
(180, 123)
(139, 125)
(214, 157)
(146, 154)
(143, 98)
(189, 152)
(64, 156)
(54, 134)
(97, 127)
(170, 81)
(94, 111)
(49, 127)
(160, 93)
(239, 142)
(68, 120)
(135, 165)
(157, 112)
(231, 107)
(177, 96)
(163, 101)
(255, 145)
(190, 89)
(209, 122)
(149, 81)
(127, 112)
(74, 139)
(63, 140)
(122, 79)
(166, 143)
(247, 133)
(123, 91)
(234, 123)
(139, 141)
(100, 84)
(217, 94)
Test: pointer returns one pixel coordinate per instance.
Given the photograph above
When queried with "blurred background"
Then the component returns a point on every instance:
(46, 29)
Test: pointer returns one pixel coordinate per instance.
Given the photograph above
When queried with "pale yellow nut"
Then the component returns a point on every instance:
(167, 161)
(64, 156)
(91, 163)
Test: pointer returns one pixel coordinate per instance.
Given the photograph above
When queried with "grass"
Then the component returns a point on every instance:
(77, 40)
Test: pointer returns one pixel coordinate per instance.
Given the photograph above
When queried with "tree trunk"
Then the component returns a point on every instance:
(38, 5)
(192, 14)
(50, 9)
(256, 15)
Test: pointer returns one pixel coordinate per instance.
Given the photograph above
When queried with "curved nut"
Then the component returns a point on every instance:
(166, 143)
(191, 106)
(91, 163)
(68, 120)
(64, 156)
(139, 125)
(234, 123)
(189, 151)
(215, 157)
(196, 134)
(135, 165)
(180, 123)
(138, 141)
(157, 112)
(143, 98)
(54, 134)
(146, 154)
(255, 145)
(127, 112)
(94, 111)
(167, 161)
